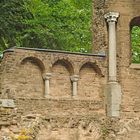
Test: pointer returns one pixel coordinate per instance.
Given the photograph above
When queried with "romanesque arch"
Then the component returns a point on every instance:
(66, 62)
(34, 60)
(135, 22)
(89, 81)
(134, 33)
(30, 83)
(60, 82)
(93, 64)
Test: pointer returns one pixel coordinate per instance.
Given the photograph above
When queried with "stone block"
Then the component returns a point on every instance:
(113, 99)
(8, 103)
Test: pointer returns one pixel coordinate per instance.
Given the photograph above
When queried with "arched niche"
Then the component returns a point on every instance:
(135, 39)
(30, 83)
(60, 83)
(89, 82)
(36, 61)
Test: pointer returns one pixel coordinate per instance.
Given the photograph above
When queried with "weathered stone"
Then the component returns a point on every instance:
(4, 123)
(113, 95)
(9, 103)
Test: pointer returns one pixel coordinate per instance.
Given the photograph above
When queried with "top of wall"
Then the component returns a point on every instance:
(54, 51)
(30, 66)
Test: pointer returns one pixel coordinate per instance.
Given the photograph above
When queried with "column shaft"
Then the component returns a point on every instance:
(113, 89)
(47, 87)
(74, 88)
(74, 80)
(112, 52)
(47, 77)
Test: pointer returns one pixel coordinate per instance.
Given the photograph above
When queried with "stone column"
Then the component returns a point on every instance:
(74, 80)
(113, 89)
(47, 77)
(111, 19)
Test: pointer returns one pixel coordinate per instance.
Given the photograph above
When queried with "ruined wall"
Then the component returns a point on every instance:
(128, 73)
(99, 26)
(60, 115)
(23, 72)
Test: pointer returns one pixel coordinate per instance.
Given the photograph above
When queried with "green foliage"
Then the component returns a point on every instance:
(53, 24)
(135, 39)
(11, 27)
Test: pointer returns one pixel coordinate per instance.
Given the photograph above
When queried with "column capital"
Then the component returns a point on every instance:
(111, 16)
(74, 78)
(47, 76)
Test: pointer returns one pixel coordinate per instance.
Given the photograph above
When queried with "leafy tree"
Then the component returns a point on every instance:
(11, 27)
(135, 39)
(53, 24)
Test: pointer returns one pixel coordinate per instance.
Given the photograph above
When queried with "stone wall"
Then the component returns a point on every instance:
(61, 115)
(128, 74)
(25, 110)
(99, 26)
(23, 70)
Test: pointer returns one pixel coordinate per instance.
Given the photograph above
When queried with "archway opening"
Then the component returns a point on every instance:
(135, 39)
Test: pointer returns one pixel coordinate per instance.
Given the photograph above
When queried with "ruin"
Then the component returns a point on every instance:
(56, 95)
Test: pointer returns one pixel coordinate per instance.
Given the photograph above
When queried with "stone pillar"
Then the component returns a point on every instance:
(74, 80)
(111, 19)
(113, 89)
(47, 77)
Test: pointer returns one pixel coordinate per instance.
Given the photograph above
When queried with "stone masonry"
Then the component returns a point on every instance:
(52, 85)
(55, 95)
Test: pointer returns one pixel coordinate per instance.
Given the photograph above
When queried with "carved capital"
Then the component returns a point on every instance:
(74, 78)
(47, 76)
(111, 16)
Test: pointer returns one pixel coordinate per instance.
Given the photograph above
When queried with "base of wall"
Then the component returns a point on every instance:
(113, 99)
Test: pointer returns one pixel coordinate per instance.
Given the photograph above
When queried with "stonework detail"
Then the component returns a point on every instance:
(7, 103)
(38, 74)
(111, 16)
(47, 77)
(50, 90)
(74, 80)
